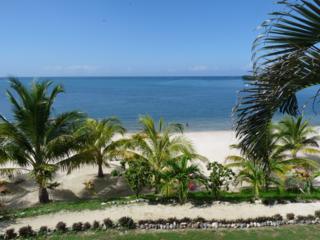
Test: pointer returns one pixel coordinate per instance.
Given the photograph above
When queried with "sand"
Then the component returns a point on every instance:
(145, 211)
(212, 144)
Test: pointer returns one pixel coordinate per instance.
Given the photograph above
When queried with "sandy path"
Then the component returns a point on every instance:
(145, 211)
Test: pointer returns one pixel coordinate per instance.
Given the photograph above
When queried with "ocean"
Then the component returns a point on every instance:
(200, 103)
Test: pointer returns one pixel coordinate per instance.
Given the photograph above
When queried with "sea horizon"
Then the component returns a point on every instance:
(200, 103)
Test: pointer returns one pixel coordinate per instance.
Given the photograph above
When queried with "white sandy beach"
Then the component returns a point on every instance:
(212, 144)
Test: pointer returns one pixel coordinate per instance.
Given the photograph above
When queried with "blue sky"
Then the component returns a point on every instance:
(128, 37)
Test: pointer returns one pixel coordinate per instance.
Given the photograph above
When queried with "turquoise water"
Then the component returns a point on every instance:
(203, 103)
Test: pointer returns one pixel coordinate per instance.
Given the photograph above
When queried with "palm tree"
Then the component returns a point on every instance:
(36, 140)
(286, 60)
(296, 135)
(156, 145)
(100, 145)
(179, 174)
(250, 172)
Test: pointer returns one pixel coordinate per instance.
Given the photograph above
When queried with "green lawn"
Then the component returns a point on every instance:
(310, 232)
(196, 198)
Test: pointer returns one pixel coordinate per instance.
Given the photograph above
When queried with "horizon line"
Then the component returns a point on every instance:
(116, 76)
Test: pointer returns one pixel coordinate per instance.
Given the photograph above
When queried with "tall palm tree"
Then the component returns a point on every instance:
(286, 60)
(100, 145)
(36, 140)
(179, 173)
(157, 144)
(296, 135)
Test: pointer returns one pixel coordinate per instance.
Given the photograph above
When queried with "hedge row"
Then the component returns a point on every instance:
(170, 223)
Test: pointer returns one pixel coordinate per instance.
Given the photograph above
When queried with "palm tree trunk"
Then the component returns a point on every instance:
(100, 171)
(156, 184)
(43, 195)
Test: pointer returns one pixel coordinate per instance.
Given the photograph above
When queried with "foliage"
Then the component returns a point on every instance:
(26, 232)
(61, 227)
(127, 222)
(138, 175)
(286, 60)
(297, 136)
(10, 234)
(36, 140)
(86, 226)
(77, 227)
(43, 230)
(180, 173)
(95, 225)
(290, 216)
(220, 177)
(100, 146)
(156, 145)
(108, 223)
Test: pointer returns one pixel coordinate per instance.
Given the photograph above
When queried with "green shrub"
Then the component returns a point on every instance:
(127, 222)
(26, 232)
(61, 227)
(290, 216)
(86, 226)
(95, 225)
(108, 223)
(43, 230)
(77, 227)
(10, 234)
(220, 178)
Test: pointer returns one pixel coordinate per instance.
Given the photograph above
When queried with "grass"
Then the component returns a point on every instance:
(298, 232)
(53, 207)
(196, 198)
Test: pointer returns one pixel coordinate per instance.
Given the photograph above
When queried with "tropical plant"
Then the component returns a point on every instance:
(180, 173)
(286, 60)
(156, 145)
(100, 145)
(220, 177)
(250, 171)
(138, 175)
(36, 140)
(298, 136)
(273, 160)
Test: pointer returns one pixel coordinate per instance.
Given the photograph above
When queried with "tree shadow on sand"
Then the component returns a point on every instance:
(107, 187)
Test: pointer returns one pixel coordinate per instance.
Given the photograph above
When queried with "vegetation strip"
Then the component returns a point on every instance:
(164, 224)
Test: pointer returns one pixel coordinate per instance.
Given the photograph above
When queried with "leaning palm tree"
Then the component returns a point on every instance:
(297, 136)
(100, 145)
(157, 144)
(286, 60)
(36, 140)
(179, 174)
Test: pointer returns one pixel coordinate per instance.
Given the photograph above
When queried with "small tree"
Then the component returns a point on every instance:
(220, 177)
(179, 174)
(138, 175)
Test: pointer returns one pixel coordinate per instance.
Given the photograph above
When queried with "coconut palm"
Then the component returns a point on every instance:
(36, 140)
(250, 172)
(297, 136)
(156, 144)
(100, 145)
(286, 60)
(179, 174)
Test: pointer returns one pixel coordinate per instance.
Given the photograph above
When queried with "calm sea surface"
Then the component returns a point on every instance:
(202, 103)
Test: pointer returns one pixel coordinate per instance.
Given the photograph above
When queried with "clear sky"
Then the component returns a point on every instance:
(128, 37)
